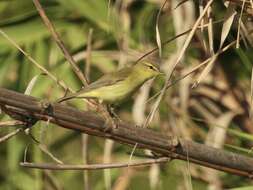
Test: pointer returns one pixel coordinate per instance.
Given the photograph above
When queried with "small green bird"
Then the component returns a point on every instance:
(115, 87)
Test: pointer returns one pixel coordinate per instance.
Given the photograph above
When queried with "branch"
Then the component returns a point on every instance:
(30, 109)
(93, 166)
(10, 135)
(59, 42)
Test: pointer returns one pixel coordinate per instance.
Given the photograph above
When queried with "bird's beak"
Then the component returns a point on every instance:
(161, 73)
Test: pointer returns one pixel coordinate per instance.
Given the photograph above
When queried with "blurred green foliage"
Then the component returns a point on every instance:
(113, 25)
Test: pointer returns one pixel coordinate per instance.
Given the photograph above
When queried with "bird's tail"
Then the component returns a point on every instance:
(63, 99)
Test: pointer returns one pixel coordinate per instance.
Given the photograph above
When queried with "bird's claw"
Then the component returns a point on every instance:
(110, 124)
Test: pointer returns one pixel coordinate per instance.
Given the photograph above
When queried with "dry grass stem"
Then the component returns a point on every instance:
(187, 42)
(59, 82)
(108, 148)
(210, 30)
(44, 149)
(158, 38)
(10, 135)
(11, 123)
(239, 26)
(31, 85)
(59, 42)
(227, 24)
(88, 52)
(93, 166)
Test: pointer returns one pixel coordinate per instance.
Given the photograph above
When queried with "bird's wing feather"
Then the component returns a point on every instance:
(105, 80)
(109, 79)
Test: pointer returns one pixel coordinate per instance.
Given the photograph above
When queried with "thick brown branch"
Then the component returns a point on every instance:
(26, 108)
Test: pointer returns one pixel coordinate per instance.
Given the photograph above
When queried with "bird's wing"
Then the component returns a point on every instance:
(106, 80)
(109, 79)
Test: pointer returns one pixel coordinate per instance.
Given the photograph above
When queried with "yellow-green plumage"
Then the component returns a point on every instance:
(117, 86)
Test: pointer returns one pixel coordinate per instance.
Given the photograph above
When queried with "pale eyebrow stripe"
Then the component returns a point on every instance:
(147, 64)
(153, 67)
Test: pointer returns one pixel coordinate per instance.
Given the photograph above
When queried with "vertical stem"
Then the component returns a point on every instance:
(85, 142)
(88, 57)
(85, 137)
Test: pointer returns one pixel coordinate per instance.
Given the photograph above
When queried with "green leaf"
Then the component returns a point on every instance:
(29, 31)
(89, 9)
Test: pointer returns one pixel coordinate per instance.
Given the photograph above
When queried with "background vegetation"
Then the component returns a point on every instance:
(104, 35)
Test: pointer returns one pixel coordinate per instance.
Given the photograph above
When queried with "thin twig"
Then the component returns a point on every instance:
(85, 155)
(88, 52)
(187, 42)
(59, 42)
(172, 83)
(239, 26)
(61, 45)
(44, 149)
(11, 123)
(181, 54)
(44, 70)
(59, 82)
(93, 166)
(172, 39)
(158, 38)
(107, 157)
(85, 137)
(53, 180)
(10, 135)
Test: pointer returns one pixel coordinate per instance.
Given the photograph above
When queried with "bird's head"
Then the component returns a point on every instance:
(147, 69)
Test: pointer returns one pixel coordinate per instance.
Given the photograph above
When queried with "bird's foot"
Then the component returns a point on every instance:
(110, 124)
(112, 113)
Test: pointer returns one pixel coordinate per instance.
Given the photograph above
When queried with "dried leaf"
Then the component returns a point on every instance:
(202, 27)
(31, 85)
(158, 40)
(210, 30)
(239, 26)
(194, 28)
(246, 35)
(228, 21)
(206, 70)
(181, 54)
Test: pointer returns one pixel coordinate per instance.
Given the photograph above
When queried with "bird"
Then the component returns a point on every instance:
(113, 88)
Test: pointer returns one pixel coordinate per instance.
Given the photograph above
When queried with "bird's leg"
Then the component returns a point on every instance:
(110, 123)
(111, 111)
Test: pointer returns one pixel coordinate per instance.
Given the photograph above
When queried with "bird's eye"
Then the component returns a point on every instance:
(151, 67)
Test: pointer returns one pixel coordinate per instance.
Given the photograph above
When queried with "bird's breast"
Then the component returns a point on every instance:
(116, 92)
(111, 93)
